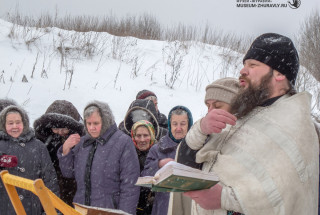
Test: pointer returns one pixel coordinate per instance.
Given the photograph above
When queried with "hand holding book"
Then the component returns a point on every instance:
(208, 199)
(176, 177)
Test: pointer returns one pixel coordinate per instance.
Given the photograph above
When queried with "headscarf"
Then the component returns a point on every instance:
(190, 120)
(146, 124)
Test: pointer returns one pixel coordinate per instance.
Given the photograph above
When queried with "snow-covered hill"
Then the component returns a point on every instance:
(80, 67)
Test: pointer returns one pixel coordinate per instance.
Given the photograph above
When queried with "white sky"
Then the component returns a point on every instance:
(223, 14)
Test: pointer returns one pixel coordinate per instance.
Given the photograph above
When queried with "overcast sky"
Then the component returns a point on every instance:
(224, 14)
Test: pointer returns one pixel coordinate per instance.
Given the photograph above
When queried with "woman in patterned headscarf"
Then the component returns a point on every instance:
(143, 136)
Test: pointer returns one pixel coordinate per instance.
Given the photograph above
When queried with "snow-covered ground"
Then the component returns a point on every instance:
(81, 67)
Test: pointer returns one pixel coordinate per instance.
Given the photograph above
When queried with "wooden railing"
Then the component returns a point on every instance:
(50, 202)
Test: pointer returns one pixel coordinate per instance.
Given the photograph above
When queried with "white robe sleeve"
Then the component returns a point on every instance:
(195, 138)
(229, 200)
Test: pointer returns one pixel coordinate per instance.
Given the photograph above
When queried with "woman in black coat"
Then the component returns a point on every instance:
(18, 139)
(60, 122)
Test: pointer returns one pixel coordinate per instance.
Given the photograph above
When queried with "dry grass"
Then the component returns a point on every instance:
(143, 26)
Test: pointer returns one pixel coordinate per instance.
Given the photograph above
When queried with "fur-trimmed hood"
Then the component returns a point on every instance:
(64, 107)
(105, 113)
(6, 102)
(60, 114)
(145, 103)
(24, 117)
(148, 107)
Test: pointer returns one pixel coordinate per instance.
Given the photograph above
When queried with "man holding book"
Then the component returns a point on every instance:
(219, 95)
(268, 160)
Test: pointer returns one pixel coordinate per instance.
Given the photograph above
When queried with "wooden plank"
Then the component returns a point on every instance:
(13, 195)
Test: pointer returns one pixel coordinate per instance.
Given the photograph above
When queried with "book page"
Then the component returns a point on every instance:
(146, 180)
(175, 165)
(175, 168)
(84, 209)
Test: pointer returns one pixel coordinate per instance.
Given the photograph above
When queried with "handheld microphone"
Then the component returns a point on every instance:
(8, 161)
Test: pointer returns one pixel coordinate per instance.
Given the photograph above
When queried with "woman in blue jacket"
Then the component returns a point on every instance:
(179, 122)
(103, 162)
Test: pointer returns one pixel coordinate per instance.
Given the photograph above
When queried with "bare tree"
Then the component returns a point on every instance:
(309, 44)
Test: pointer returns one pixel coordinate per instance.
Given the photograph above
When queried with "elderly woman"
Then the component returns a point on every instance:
(18, 139)
(104, 162)
(143, 136)
(179, 122)
(60, 123)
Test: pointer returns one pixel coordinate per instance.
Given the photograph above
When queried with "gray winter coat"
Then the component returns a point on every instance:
(115, 167)
(33, 162)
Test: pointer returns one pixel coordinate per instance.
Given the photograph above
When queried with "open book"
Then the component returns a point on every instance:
(176, 177)
(88, 210)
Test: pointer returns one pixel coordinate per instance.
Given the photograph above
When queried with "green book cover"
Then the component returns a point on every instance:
(176, 183)
(156, 188)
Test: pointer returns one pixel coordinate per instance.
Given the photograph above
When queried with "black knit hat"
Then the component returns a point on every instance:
(278, 52)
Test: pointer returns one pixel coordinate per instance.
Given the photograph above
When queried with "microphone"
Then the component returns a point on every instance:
(8, 161)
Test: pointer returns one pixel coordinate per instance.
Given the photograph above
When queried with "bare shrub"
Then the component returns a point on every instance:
(309, 53)
(136, 66)
(180, 32)
(12, 35)
(117, 76)
(197, 71)
(2, 77)
(123, 48)
(44, 74)
(306, 82)
(79, 45)
(34, 65)
(24, 79)
(100, 63)
(173, 55)
(150, 70)
(61, 50)
(68, 78)
(149, 27)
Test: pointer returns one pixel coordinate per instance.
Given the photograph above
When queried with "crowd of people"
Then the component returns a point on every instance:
(258, 136)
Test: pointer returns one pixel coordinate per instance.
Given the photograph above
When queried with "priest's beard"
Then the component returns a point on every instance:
(252, 96)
